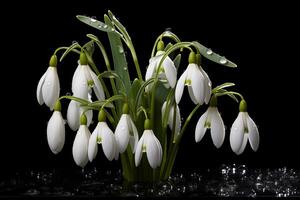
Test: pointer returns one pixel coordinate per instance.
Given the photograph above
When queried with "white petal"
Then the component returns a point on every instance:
(133, 140)
(87, 73)
(56, 132)
(51, 87)
(178, 120)
(197, 80)
(192, 96)
(98, 89)
(39, 94)
(253, 133)
(152, 149)
(217, 127)
(93, 146)
(149, 74)
(180, 87)
(139, 151)
(244, 144)
(75, 77)
(200, 128)
(73, 115)
(207, 85)
(108, 142)
(237, 133)
(80, 146)
(170, 71)
(163, 109)
(80, 85)
(122, 133)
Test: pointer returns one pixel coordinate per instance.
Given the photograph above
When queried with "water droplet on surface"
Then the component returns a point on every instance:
(93, 19)
(105, 26)
(209, 84)
(68, 94)
(74, 41)
(223, 60)
(209, 52)
(125, 68)
(112, 29)
(120, 49)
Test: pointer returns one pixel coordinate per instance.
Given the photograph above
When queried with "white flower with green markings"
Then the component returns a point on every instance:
(242, 130)
(56, 130)
(48, 87)
(197, 81)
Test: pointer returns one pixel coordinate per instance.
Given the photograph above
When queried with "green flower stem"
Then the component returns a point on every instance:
(167, 34)
(230, 93)
(175, 145)
(65, 48)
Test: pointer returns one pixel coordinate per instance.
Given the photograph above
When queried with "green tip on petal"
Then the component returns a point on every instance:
(101, 116)
(57, 106)
(213, 101)
(192, 57)
(243, 106)
(53, 61)
(125, 108)
(160, 46)
(147, 124)
(83, 119)
(198, 58)
(83, 59)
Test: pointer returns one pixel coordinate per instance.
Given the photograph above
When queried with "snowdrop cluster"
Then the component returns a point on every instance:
(119, 131)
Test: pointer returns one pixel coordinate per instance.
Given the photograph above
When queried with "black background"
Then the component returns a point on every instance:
(259, 38)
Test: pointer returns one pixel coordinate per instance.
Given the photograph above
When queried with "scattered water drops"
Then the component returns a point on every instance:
(223, 60)
(209, 52)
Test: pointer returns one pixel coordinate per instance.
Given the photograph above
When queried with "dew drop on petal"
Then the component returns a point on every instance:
(209, 52)
(223, 60)
(209, 84)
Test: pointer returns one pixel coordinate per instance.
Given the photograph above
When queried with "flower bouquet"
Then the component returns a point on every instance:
(139, 118)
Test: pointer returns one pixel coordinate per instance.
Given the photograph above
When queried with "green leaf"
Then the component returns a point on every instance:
(177, 61)
(141, 90)
(95, 23)
(118, 24)
(169, 45)
(209, 54)
(224, 85)
(89, 47)
(119, 59)
(68, 50)
(101, 103)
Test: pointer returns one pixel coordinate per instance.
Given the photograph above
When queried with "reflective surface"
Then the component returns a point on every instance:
(224, 181)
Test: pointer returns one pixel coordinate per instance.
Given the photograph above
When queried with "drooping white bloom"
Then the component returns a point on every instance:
(80, 146)
(151, 145)
(83, 80)
(48, 88)
(126, 132)
(103, 135)
(198, 83)
(73, 115)
(243, 128)
(56, 132)
(211, 119)
(171, 117)
(167, 70)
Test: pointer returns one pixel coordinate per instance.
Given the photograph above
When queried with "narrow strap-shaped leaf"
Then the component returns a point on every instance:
(82, 101)
(141, 90)
(118, 24)
(119, 59)
(224, 85)
(101, 103)
(95, 23)
(209, 54)
(177, 60)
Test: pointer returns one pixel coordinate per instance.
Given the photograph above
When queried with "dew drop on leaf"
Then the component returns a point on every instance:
(223, 60)
(209, 52)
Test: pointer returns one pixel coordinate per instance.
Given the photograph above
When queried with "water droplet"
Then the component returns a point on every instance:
(209, 52)
(223, 60)
(209, 84)
(74, 41)
(68, 94)
(93, 19)
(112, 29)
(120, 49)
(125, 68)
(105, 26)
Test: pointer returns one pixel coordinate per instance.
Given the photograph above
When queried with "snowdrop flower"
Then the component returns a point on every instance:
(197, 81)
(73, 115)
(103, 135)
(56, 130)
(243, 128)
(211, 119)
(171, 117)
(149, 144)
(81, 142)
(167, 70)
(84, 79)
(126, 132)
(48, 87)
